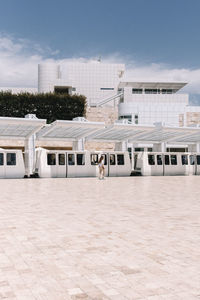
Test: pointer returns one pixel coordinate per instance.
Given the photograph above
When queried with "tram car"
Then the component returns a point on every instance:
(63, 163)
(11, 164)
(166, 164)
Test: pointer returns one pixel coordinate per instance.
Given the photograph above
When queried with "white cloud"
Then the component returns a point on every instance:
(19, 59)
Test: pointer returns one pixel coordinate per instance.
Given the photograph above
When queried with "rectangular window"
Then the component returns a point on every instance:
(80, 158)
(71, 159)
(104, 159)
(112, 159)
(11, 159)
(94, 159)
(61, 159)
(173, 160)
(159, 160)
(152, 91)
(198, 159)
(1, 159)
(167, 91)
(120, 159)
(151, 159)
(184, 159)
(136, 91)
(51, 159)
(192, 159)
(167, 162)
(107, 89)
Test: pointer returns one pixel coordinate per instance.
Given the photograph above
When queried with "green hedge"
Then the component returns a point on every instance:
(48, 106)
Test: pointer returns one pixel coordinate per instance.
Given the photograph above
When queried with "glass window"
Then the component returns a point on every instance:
(61, 158)
(80, 158)
(173, 160)
(192, 159)
(184, 159)
(94, 159)
(71, 159)
(112, 159)
(151, 159)
(1, 159)
(198, 159)
(167, 162)
(11, 159)
(159, 160)
(120, 159)
(51, 159)
(104, 159)
(137, 91)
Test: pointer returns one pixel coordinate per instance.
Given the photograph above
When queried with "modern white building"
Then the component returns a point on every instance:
(95, 80)
(151, 102)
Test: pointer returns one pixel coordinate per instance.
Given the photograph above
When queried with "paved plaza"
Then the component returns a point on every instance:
(119, 238)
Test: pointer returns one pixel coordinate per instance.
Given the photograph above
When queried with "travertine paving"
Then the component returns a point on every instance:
(121, 238)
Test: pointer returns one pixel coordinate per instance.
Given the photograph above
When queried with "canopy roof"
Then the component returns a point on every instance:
(69, 130)
(19, 128)
(153, 85)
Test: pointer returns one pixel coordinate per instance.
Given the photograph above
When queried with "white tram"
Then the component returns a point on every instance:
(167, 163)
(11, 164)
(64, 163)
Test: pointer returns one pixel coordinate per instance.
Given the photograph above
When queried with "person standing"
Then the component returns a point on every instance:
(101, 167)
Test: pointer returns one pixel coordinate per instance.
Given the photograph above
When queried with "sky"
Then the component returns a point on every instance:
(156, 39)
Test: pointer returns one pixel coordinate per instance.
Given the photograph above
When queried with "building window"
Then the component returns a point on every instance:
(136, 91)
(167, 91)
(61, 89)
(127, 117)
(152, 91)
(107, 89)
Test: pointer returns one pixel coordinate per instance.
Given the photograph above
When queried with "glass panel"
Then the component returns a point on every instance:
(167, 162)
(184, 159)
(198, 159)
(159, 160)
(120, 159)
(1, 159)
(51, 159)
(173, 160)
(61, 158)
(94, 159)
(104, 159)
(71, 159)
(192, 159)
(151, 159)
(11, 159)
(112, 159)
(80, 158)
(137, 91)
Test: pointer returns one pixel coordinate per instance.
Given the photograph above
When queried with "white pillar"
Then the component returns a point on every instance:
(121, 146)
(29, 151)
(79, 145)
(160, 147)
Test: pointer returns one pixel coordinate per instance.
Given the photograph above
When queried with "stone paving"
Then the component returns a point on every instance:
(121, 238)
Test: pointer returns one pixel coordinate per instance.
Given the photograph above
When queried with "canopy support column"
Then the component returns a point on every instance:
(29, 151)
(79, 145)
(121, 146)
(160, 147)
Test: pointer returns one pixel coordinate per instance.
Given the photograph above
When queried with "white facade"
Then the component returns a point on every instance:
(95, 80)
(148, 103)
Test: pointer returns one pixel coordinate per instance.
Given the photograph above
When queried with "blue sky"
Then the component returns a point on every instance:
(155, 34)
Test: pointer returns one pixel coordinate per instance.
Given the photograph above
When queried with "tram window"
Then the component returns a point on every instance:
(192, 159)
(167, 162)
(51, 159)
(11, 159)
(71, 159)
(94, 159)
(61, 158)
(184, 159)
(104, 159)
(173, 160)
(151, 159)
(80, 158)
(112, 159)
(1, 159)
(159, 160)
(120, 159)
(198, 159)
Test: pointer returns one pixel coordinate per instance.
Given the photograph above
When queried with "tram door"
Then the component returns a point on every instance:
(106, 162)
